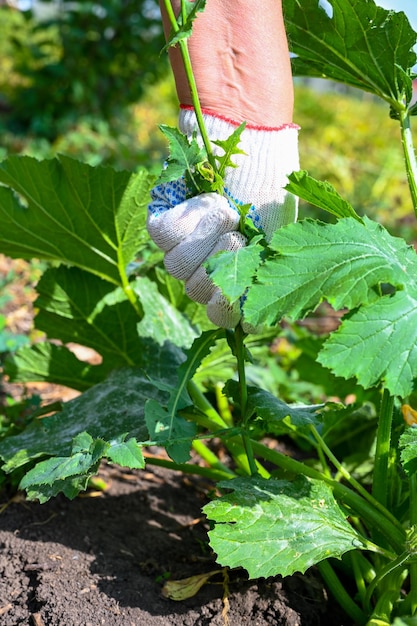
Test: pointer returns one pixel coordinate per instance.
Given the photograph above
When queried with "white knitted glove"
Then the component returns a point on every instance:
(190, 231)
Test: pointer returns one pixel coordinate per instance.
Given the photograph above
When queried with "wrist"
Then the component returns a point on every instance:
(266, 148)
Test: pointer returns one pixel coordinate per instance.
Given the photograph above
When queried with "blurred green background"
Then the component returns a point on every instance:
(89, 81)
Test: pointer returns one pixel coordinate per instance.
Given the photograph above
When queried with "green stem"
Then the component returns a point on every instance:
(129, 292)
(349, 478)
(409, 155)
(339, 592)
(211, 420)
(247, 444)
(200, 121)
(189, 468)
(358, 575)
(382, 613)
(214, 421)
(211, 459)
(411, 600)
(381, 520)
(243, 393)
(366, 567)
(383, 444)
(222, 403)
(191, 80)
(322, 459)
(240, 358)
(183, 12)
(392, 576)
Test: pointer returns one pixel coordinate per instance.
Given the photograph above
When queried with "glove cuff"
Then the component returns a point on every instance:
(222, 122)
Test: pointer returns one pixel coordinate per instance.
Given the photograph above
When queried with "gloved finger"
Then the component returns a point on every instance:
(226, 315)
(199, 287)
(221, 312)
(183, 260)
(170, 228)
(249, 329)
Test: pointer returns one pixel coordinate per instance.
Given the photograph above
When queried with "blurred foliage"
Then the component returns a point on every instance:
(87, 59)
(15, 412)
(349, 140)
(25, 50)
(130, 140)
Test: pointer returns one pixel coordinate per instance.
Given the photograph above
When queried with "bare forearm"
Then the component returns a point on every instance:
(240, 59)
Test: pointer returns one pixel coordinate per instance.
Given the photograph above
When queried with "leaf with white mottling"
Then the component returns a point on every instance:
(272, 527)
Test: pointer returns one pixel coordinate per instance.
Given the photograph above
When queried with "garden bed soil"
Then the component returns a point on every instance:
(103, 559)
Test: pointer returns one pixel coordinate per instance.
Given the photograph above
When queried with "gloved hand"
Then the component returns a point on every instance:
(190, 231)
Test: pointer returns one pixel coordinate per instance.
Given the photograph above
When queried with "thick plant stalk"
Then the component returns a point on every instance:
(210, 458)
(380, 480)
(339, 592)
(411, 600)
(373, 501)
(240, 356)
(409, 155)
(395, 573)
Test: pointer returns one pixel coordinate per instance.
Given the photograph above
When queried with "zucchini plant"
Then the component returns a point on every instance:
(167, 377)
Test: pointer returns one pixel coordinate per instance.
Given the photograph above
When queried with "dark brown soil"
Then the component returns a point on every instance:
(102, 559)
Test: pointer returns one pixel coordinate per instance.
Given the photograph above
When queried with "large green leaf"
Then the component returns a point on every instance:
(76, 306)
(61, 209)
(112, 411)
(377, 344)
(340, 262)
(272, 527)
(70, 474)
(355, 42)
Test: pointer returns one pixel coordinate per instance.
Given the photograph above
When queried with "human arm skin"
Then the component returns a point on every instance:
(240, 60)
